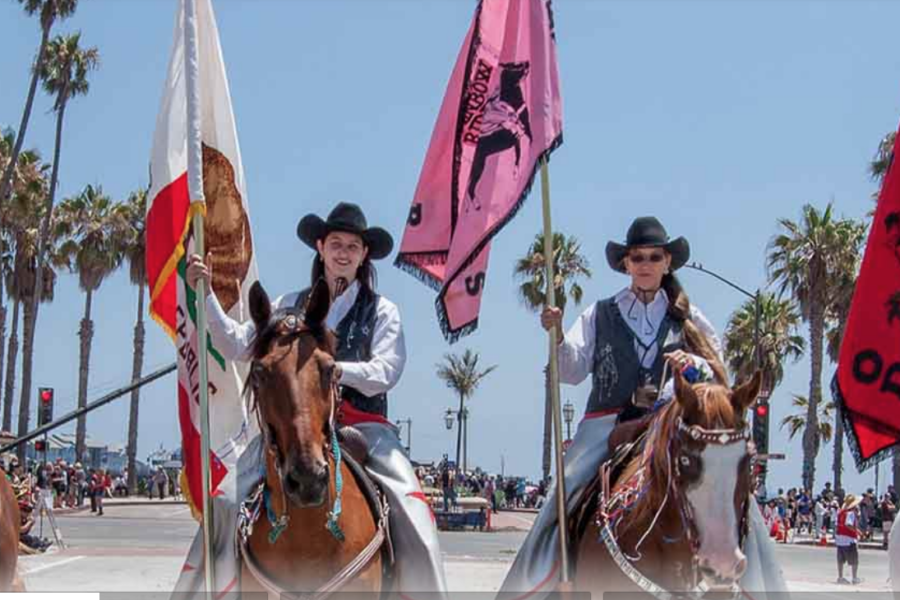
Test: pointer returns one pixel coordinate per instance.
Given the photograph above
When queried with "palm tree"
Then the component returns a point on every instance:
(779, 340)
(878, 168)
(24, 286)
(64, 74)
(461, 374)
(797, 421)
(21, 219)
(92, 248)
(50, 11)
(838, 312)
(133, 212)
(569, 265)
(806, 259)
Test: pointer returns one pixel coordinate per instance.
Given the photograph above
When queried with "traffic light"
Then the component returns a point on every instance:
(45, 405)
(761, 426)
(40, 446)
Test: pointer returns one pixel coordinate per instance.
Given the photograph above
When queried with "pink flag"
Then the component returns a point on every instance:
(501, 115)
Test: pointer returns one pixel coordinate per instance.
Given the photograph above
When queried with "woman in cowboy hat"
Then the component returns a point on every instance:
(370, 359)
(623, 343)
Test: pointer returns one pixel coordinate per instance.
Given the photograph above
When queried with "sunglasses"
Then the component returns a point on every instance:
(656, 257)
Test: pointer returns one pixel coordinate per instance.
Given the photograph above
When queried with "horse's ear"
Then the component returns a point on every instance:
(317, 304)
(260, 306)
(684, 393)
(746, 393)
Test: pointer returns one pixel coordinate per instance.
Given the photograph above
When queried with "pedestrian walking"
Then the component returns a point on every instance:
(846, 538)
(103, 483)
(446, 487)
(888, 512)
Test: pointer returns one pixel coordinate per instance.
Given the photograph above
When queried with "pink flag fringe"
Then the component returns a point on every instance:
(501, 116)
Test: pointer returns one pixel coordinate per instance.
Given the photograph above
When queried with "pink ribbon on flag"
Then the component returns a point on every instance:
(501, 115)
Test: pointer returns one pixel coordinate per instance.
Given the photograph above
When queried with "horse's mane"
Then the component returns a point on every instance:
(660, 444)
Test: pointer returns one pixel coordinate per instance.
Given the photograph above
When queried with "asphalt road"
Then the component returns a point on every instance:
(141, 548)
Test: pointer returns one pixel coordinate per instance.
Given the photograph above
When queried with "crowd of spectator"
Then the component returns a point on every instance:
(800, 513)
(501, 492)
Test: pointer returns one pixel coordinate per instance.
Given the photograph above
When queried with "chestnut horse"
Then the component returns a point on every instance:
(306, 485)
(9, 537)
(675, 518)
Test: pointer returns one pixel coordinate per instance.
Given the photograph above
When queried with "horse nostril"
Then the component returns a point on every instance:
(292, 482)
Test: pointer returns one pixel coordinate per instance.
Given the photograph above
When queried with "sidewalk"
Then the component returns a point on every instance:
(806, 541)
(128, 501)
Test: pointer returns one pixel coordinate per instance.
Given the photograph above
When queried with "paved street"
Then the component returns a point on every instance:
(140, 548)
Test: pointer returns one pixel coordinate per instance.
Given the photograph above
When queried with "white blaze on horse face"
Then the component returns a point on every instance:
(712, 500)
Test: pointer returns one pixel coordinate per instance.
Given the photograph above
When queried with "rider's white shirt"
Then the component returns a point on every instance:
(576, 352)
(233, 339)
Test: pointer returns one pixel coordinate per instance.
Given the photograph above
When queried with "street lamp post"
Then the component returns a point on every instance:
(757, 346)
(448, 419)
(408, 422)
(464, 423)
(569, 416)
(448, 422)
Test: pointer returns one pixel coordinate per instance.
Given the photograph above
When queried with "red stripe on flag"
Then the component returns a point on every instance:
(167, 222)
(190, 449)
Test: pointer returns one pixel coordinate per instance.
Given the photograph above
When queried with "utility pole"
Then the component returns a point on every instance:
(761, 434)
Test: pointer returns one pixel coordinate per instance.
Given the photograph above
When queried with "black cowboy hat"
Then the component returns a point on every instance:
(348, 218)
(648, 232)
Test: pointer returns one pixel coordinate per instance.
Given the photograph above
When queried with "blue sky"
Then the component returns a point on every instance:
(718, 117)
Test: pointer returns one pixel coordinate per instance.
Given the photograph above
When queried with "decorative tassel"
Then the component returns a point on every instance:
(333, 516)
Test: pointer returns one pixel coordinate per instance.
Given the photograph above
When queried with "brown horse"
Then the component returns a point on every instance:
(675, 517)
(9, 537)
(294, 385)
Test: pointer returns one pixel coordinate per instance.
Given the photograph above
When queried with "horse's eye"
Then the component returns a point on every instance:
(685, 461)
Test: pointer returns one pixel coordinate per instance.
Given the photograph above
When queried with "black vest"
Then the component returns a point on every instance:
(354, 337)
(617, 370)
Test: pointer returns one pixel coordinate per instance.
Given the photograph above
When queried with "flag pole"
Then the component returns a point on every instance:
(554, 383)
(198, 209)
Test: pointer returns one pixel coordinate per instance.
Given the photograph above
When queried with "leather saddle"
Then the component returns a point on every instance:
(623, 445)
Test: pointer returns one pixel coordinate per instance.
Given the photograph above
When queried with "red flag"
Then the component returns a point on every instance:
(501, 115)
(867, 384)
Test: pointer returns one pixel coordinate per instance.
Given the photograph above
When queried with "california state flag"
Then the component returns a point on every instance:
(227, 238)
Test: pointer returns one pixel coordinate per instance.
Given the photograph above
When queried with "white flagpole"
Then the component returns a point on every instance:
(554, 385)
(195, 188)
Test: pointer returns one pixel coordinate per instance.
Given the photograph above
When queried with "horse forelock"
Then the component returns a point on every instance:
(261, 343)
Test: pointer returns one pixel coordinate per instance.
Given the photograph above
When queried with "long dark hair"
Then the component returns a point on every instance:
(694, 340)
(365, 274)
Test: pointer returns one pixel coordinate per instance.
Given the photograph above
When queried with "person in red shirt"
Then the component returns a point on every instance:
(846, 538)
(103, 483)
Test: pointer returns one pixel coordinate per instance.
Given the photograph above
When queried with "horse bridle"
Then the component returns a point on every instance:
(295, 328)
(716, 437)
(695, 433)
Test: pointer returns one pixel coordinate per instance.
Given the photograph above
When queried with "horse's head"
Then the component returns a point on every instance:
(292, 378)
(711, 456)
